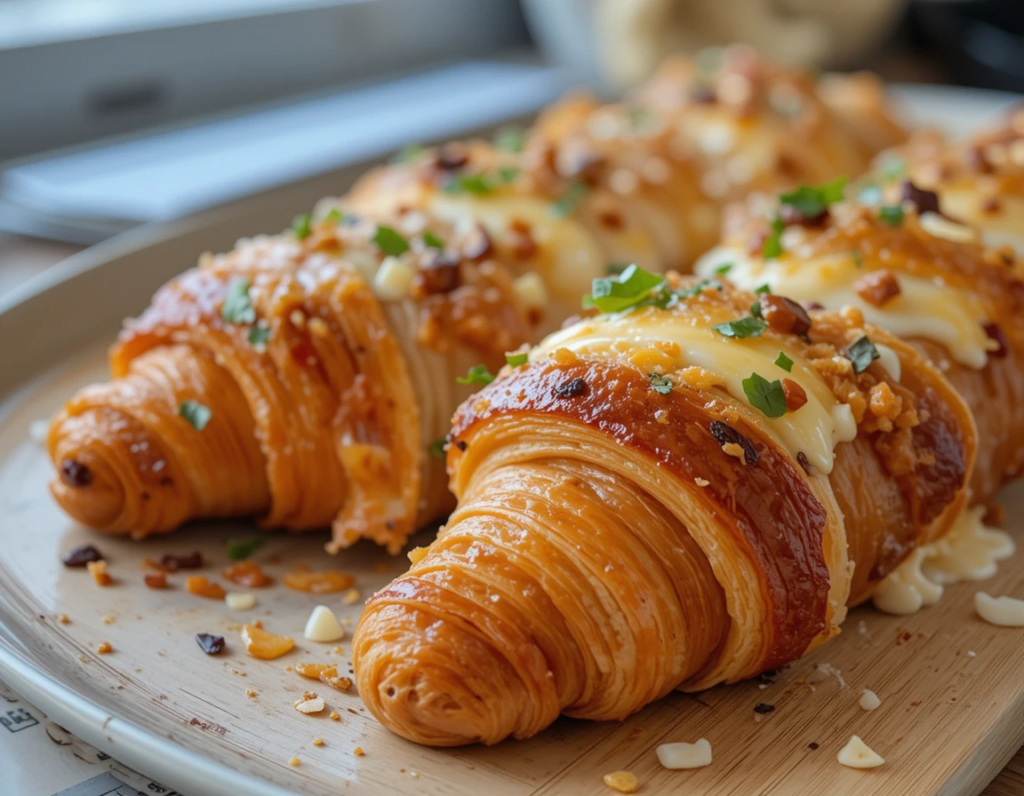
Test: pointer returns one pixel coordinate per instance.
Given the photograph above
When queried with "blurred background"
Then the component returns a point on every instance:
(119, 113)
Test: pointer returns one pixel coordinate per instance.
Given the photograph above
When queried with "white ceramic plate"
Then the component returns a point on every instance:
(52, 334)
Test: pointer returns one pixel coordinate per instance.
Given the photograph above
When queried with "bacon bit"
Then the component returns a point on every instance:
(784, 315)
(98, 570)
(104, 648)
(791, 216)
(477, 244)
(990, 204)
(803, 461)
(451, 157)
(200, 586)
(611, 219)
(571, 388)
(813, 305)
(995, 515)
(796, 396)
(247, 573)
(878, 288)
(75, 474)
(265, 645)
(327, 582)
(727, 435)
(924, 201)
(763, 708)
(995, 332)
(520, 239)
(438, 273)
(81, 556)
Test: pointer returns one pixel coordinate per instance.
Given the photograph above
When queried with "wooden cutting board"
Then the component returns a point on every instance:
(952, 686)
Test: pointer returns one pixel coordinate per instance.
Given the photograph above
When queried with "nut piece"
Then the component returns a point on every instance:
(878, 288)
(869, 700)
(323, 626)
(265, 645)
(857, 754)
(199, 585)
(98, 570)
(796, 396)
(155, 580)
(622, 781)
(310, 704)
(685, 755)
(247, 573)
(784, 315)
(351, 597)
(1001, 611)
(329, 582)
(104, 648)
(240, 601)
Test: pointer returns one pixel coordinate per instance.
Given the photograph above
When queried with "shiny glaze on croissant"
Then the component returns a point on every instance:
(614, 542)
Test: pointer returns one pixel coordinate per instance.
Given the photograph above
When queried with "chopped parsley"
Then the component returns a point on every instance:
(768, 396)
(772, 247)
(258, 336)
(436, 449)
(660, 384)
(784, 362)
(390, 242)
(570, 200)
(241, 549)
(302, 226)
(743, 327)
(517, 358)
(510, 138)
(196, 414)
(334, 217)
(237, 306)
(630, 288)
(762, 289)
(858, 258)
(476, 184)
(891, 214)
(408, 154)
(722, 270)
(478, 374)
(431, 240)
(861, 353)
(811, 201)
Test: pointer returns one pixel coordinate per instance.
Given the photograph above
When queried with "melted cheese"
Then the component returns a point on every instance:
(969, 551)
(925, 308)
(814, 429)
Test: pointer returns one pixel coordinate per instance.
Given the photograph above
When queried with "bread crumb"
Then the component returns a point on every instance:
(335, 716)
(318, 742)
(104, 648)
(685, 755)
(250, 693)
(701, 481)
(108, 620)
(64, 619)
(294, 762)
(351, 597)
(358, 752)
(621, 781)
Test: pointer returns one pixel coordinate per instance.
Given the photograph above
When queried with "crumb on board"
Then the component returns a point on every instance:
(358, 752)
(104, 648)
(108, 620)
(351, 597)
(155, 580)
(318, 742)
(622, 781)
(64, 619)
(250, 693)
(335, 716)
(294, 762)
(98, 570)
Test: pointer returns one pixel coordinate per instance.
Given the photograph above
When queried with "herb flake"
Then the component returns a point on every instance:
(258, 336)
(784, 362)
(772, 247)
(196, 414)
(861, 353)
(811, 201)
(437, 450)
(660, 384)
(570, 200)
(241, 549)
(390, 242)
(615, 294)
(510, 138)
(742, 327)
(302, 226)
(518, 358)
(237, 306)
(768, 396)
(891, 215)
(431, 240)
(478, 374)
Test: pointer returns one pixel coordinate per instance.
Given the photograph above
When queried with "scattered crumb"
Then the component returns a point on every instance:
(685, 755)
(338, 651)
(318, 742)
(828, 669)
(240, 601)
(621, 781)
(358, 752)
(310, 703)
(869, 700)
(64, 619)
(701, 481)
(108, 620)
(335, 716)
(104, 648)
(382, 567)
(971, 654)
(250, 693)
(414, 775)
(98, 570)
(155, 580)
(294, 761)
(351, 597)
(857, 754)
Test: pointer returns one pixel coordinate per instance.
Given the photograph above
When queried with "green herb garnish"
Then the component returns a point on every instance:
(773, 245)
(334, 217)
(722, 270)
(196, 414)
(237, 306)
(507, 174)
(768, 396)
(614, 294)
(431, 240)
(762, 289)
(477, 184)
(570, 200)
(518, 358)
(258, 336)
(436, 449)
(510, 138)
(660, 384)
(302, 226)
(614, 269)
(811, 201)
(390, 242)
(784, 362)
(861, 353)
(478, 374)
(697, 289)
(742, 327)
(891, 214)
(241, 549)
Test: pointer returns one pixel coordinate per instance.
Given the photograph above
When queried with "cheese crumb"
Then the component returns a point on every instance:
(622, 781)
(240, 601)
(310, 704)
(857, 754)
(869, 700)
(323, 626)
(685, 755)
(1001, 611)
(351, 597)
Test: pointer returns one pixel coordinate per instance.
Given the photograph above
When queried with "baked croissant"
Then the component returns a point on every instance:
(302, 378)
(680, 495)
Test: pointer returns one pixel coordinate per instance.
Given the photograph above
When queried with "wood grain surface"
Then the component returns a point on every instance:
(949, 720)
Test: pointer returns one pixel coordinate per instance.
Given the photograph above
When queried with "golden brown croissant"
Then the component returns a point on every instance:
(680, 495)
(301, 378)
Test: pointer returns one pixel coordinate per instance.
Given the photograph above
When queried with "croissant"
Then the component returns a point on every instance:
(691, 489)
(303, 378)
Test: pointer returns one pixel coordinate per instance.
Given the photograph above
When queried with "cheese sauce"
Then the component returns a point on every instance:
(814, 429)
(926, 308)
